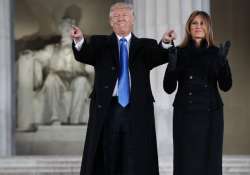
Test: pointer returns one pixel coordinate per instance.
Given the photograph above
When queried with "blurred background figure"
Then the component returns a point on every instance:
(58, 86)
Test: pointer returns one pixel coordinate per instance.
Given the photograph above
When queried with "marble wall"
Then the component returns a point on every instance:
(231, 21)
(42, 16)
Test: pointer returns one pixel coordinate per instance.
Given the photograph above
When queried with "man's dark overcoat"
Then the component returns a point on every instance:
(144, 54)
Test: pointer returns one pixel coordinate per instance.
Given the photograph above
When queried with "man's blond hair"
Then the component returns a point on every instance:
(121, 5)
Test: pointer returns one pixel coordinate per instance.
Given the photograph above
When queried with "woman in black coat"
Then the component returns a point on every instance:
(199, 67)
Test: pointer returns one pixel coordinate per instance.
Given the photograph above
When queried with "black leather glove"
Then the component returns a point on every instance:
(223, 52)
(172, 55)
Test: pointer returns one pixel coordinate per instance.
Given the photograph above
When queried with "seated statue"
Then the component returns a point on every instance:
(53, 88)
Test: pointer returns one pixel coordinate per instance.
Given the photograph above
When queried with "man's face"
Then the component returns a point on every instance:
(122, 20)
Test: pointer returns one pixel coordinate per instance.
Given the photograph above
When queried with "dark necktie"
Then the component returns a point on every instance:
(123, 80)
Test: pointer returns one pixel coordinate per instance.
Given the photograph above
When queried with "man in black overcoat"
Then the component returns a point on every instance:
(121, 138)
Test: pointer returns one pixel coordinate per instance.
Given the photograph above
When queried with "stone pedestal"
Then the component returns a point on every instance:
(52, 140)
(7, 90)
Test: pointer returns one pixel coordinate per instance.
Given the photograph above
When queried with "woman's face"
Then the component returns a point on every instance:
(198, 28)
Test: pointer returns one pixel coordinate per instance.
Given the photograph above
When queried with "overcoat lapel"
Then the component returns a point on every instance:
(114, 48)
(132, 48)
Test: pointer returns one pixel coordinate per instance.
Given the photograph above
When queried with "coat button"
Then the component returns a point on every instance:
(190, 77)
(113, 68)
(205, 86)
(106, 87)
(190, 93)
(99, 106)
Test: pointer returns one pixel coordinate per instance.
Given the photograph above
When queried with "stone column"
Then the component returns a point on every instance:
(153, 18)
(7, 90)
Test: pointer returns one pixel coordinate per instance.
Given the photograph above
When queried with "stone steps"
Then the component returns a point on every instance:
(70, 165)
(232, 165)
(40, 165)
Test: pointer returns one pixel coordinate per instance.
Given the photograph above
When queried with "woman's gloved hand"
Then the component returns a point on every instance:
(172, 55)
(223, 52)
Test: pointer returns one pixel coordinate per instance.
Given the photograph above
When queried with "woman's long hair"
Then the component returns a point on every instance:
(208, 34)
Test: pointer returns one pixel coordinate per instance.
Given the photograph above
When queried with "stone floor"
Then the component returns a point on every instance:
(70, 165)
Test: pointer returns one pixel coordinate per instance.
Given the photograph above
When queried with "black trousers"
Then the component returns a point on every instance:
(115, 140)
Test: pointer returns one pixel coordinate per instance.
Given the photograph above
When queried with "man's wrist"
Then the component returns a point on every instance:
(165, 45)
(165, 41)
